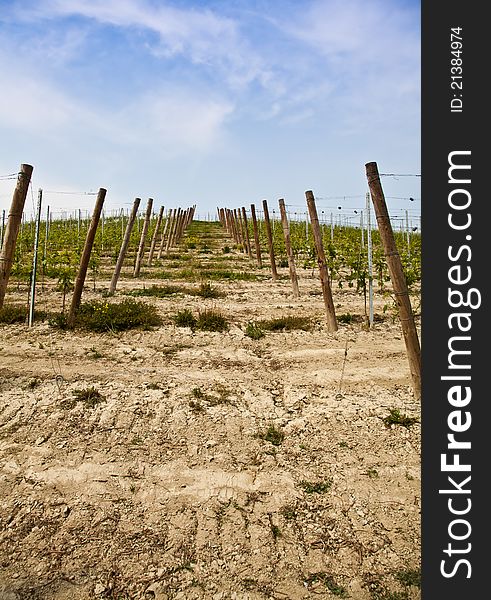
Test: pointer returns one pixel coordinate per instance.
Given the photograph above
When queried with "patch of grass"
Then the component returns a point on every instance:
(372, 473)
(409, 577)
(276, 531)
(254, 331)
(288, 323)
(94, 353)
(226, 250)
(14, 313)
(272, 434)
(89, 396)
(346, 318)
(198, 393)
(185, 318)
(317, 487)
(289, 512)
(158, 291)
(196, 407)
(33, 383)
(211, 320)
(207, 291)
(107, 316)
(395, 417)
(329, 582)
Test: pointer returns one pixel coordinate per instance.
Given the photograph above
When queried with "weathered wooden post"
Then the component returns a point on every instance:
(289, 251)
(141, 247)
(370, 267)
(269, 235)
(32, 299)
(124, 246)
(332, 324)
(84, 260)
(397, 276)
(154, 237)
(12, 228)
(256, 236)
(3, 229)
(246, 228)
(164, 233)
(172, 227)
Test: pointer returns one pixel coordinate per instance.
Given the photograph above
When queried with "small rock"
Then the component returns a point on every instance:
(99, 589)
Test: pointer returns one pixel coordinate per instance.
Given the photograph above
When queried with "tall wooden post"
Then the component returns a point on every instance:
(171, 230)
(141, 247)
(124, 245)
(35, 260)
(256, 236)
(12, 228)
(289, 251)
(332, 324)
(269, 235)
(84, 260)
(154, 237)
(164, 233)
(246, 228)
(397, 276)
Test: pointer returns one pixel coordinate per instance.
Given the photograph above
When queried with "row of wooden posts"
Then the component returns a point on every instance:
(176, 223)
(236, 224)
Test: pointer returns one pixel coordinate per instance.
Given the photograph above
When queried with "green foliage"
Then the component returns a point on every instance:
(409, 577)
(329, 582)
(288, 323)
(207, 291)
(272, 434)
(254, 331)
(396, 418)
(13, 314)
(102, 316)
(157, 291)
(211, 320)
(317, 487)
(185, 318)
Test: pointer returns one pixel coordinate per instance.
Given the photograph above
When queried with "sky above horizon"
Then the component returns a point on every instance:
(214, 103)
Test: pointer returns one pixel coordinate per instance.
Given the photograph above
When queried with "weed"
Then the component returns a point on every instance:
(396, 418)
(346, 318)
(13, 313)
(273, 435)
(372, 473)
(211, 320)
(276, 531)
(196, 407)
(106, 316)
(409, 577)
(289, 512)
(288, 323)
(158, 291)
(94, 353)
(343, 444)
(207, 291)
(254, 331)
(226, 250)
(318, 487)
(198, 393)
(185, 318)
(89, 396)
(33, 383)
(328, 581)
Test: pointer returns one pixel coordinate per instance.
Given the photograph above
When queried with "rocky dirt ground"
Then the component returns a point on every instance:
(166, 488)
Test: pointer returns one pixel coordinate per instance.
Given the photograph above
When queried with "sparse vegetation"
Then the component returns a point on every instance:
(316, 487)
(272, 434)
(254, 331)
(395, 417)
(289, 323)
(329, 582)
(91, 397)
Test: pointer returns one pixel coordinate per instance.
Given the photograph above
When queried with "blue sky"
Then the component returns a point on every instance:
(211, 103)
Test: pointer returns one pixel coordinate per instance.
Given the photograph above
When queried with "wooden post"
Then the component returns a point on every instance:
(84, 260)
(370, 268)
(12, 229)
(289, 251)
(332, 324)
(3, 229)
(154, 237)
(171, 230)
(246, 227)
(274, 272)
(397, 276)
(256, 236)
(124, 246)
(141, 247)
(32, 299)
(164, 233)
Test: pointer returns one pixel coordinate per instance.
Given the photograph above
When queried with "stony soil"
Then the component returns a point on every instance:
(165, 488)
